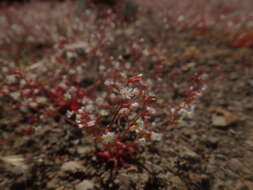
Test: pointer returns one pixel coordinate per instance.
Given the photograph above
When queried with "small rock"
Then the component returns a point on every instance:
(223, 118)
(234, 76)
(14, 164)
(85, 185)
(187, 153)
(235, 165)
(211, 142)
(251, 82)
(83, 150)
(219, 121)
(177, 183)
(72, 166)
(244, 185)
(52, 184)
(41, 100)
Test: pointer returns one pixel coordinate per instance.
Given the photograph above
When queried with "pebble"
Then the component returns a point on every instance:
(219, 121)
(72, 166)
(224, 118)
(251, 82)
(187, 153)
(85, 185)
(211, 142)
(83, 150)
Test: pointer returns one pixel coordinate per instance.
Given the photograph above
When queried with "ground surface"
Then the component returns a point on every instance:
(213, 151)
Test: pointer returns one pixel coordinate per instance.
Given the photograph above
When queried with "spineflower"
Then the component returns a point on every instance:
(128, 92)
(108, 137)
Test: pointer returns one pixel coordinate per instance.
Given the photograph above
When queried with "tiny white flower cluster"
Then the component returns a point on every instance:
(129, 93)
(187, 111)
(109, 82)
(138, 126)
(83, 118)
(151, 110)
(11, 79)
(109, 137)
(156, 136)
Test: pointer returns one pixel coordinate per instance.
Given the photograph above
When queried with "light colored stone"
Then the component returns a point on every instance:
(219, 121)
(85, 185)
(72, 166)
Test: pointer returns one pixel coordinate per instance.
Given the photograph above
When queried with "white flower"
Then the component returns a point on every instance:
(63, 85)
(11, 79)
(67, 96)
(135, 105)
(140, 123)
(139, 126)
(108, 82)
(108, 137)
(71, 55)
(81, 125)
(91, 123)
(81, 110)
(69, 113)
(104, 112)
(187, 112)
(22, 83)
(5, 69)
(151, 110)
(90, 107)
(100, 100)
(15, 95)
(128, 93)
(123, 110)
(142, 141)
(102, 67)
(116, 64)
(156, 136)
(78, 118)
(146, 52)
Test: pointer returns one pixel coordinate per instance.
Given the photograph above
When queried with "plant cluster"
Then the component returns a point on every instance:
(101, 77)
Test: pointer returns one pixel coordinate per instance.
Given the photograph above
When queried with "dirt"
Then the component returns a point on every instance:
(205, 153)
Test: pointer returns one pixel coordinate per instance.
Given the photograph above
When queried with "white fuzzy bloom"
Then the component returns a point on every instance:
(5, 69)
(63, 85)
(71, 55)
(91, 123)
(140, 123)
(81, 110)
(78, 118)
(104, 112)
(142, 141)
(151, 110)
(11, 79)
(100, 100)
(108, 82)
(67, 96)
(123, 110)
(128, 93)
(139, 126)
(101, 67)
(156, 136)
(128, 65)
(22, 83)
(146, 52)
(135, 105)
(180, 18)
(90, 107)
(116, 64)
(81, 125)
(15, 95)
(108, 137)
(69, 113)
(187, 112)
